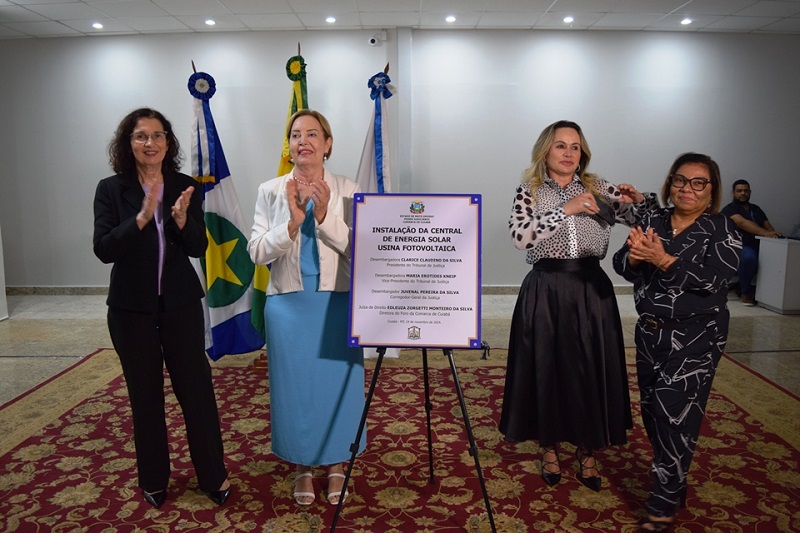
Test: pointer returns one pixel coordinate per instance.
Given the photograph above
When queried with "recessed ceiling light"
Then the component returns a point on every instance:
(450, 18)
(97, 26)
(568, 19)
(330, 20)
(210, 22)
(686, 21)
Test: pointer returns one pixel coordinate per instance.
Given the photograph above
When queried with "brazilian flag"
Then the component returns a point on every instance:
(296, 72)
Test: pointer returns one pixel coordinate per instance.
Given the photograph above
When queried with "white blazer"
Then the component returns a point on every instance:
(270, 242)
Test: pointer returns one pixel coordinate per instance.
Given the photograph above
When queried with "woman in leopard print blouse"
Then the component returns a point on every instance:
(566, 379)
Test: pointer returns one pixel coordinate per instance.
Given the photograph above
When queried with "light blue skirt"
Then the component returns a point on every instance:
(316, 381)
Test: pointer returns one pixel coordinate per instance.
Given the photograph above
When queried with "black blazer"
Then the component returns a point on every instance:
(134, 253)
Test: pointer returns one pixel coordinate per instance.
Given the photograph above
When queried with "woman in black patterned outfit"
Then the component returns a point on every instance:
(566, 379)
(680, 261)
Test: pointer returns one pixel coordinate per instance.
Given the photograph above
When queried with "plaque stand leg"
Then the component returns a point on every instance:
(473, 450)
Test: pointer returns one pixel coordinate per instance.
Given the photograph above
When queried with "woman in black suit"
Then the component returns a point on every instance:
(148, 221)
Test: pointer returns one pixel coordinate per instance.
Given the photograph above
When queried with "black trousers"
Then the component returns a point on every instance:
(675, 370)
(144, 343)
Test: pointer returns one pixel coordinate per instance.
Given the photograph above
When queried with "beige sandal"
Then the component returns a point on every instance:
(303, 498)
(333, 497)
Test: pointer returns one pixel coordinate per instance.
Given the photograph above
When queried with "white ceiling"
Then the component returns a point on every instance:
(58, 18)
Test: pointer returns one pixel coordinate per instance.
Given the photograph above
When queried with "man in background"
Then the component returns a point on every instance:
(751, 221)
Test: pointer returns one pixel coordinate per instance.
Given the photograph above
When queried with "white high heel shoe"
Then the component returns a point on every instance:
(333, 497)
(303, 498)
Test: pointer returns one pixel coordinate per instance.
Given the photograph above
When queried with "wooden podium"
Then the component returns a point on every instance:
(778, 278)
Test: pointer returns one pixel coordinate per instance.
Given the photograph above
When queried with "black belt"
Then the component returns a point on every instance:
(656, 323)
(567, 265)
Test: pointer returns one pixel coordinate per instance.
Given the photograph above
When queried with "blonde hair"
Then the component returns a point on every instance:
(534, 174)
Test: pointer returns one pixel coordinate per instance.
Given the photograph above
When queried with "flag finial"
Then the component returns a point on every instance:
(386, 70)
(195, 70)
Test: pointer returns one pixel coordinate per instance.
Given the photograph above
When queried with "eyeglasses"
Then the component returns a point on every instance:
(157, 137)
(679, 181)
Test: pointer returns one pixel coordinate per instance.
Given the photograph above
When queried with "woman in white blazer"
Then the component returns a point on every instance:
(302, 228)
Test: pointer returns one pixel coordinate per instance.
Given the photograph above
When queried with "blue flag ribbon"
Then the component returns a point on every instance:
(378, 89)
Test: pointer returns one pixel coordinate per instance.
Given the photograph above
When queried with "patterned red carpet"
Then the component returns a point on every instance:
(77, 471)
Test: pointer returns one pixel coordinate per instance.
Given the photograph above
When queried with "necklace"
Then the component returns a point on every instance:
(677, 229)
(301, 182)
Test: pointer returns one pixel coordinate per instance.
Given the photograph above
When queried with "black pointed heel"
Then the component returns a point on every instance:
(591, 482)
(551, 478)
(220, 496)
(156, 499)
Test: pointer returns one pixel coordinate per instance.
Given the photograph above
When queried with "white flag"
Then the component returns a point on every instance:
(374, 173)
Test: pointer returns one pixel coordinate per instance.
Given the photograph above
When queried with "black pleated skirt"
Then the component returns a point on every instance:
(566, 379)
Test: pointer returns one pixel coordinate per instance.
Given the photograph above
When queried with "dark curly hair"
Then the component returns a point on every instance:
(120, 153)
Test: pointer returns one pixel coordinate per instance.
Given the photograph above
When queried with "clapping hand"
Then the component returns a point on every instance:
(322, 195)
(644, 246)
(149, 205)
(181, 206)
(297, 207)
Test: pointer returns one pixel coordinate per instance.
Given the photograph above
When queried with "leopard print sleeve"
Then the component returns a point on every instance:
(527, 224)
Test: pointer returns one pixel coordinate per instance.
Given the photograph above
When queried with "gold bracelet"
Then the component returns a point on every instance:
(660, 263)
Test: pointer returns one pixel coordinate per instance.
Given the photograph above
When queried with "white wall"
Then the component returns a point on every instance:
(482, 98)
(470, 106)
(63, 99)
(3, 301)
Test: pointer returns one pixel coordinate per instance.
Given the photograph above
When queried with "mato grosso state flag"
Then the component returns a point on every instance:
(296, 71)
(374, 170)
(226, 271)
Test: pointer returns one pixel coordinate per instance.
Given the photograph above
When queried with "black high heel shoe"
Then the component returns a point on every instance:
(551, 478)
(220, 496)
(584, 458)
(156, 499)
